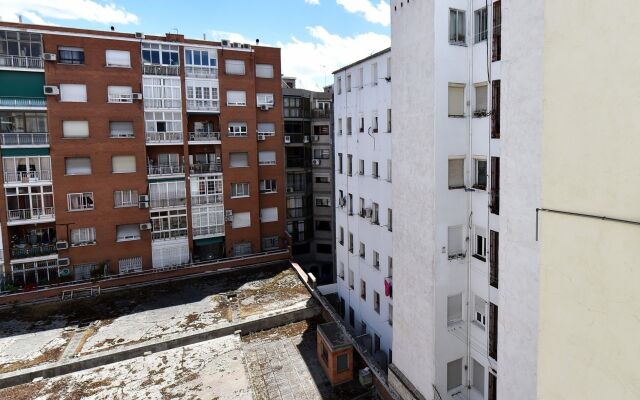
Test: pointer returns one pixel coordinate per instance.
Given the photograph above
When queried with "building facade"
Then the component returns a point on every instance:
(123, 152)
(363, 195)
(308, 145)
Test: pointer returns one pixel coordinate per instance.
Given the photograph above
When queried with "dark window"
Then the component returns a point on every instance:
(323, 248)
(342, 304)
(493, 258)
(352, 318)
(161, 126)
(495, 109)
(376, 342)
(323, 226)
(493, 385)
(69, 55)
(325, 354)
(343, 362)
(497, 39)
(493, 331)
(495, 185)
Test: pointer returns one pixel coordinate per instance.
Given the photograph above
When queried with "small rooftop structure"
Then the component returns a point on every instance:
(335, 353)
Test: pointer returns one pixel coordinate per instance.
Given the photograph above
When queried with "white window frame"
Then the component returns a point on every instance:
(128, 238)
(237, 129)
(125, 198)
(268, 186)
(120, 56)
(68, 159)
(84, 200)
(75, 129)
(169, 224)
(79, 95)
(267, 157)
(161, 93)
(241, 220)
(239, 94)
(240, 190)
(234, 67)
(264, 71)
(83, 236)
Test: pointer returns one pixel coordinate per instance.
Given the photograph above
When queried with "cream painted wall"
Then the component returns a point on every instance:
(589, 333)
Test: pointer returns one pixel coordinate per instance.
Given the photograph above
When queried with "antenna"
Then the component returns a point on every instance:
(19, 18)
(204, 36)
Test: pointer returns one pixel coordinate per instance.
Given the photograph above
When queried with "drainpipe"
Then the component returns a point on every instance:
(469, 196)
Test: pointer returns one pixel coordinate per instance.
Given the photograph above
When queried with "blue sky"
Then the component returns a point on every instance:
(316, 36)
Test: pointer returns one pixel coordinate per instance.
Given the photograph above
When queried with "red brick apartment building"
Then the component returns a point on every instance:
(123, 152)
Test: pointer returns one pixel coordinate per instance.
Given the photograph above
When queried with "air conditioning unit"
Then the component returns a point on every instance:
(64, 262)
(368, 212)
(236, 45)
(49, 56)
(265, 107)
(136, 96)
(62, 245)
(315, 161)
(146, 226)
(261, 136)
(143, 204)
(246, 46)
(224, 42)
(306, 139)
(143, 197)
(228, 215)
(51, 90)
(287, 139)
(139, 35)
(316, 138)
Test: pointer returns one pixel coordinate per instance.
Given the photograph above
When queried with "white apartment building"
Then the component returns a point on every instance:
(364, 208)
(447, 151)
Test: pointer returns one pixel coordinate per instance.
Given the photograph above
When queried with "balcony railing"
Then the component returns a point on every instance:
(202, 168)
(171, 70)
(22, 102)
(208, 230)
(163, 203)
(21, 62)
(196, 71)
(204, 136)
(164, 137)
(171, 169)
(320, 113)
(24, 139)
(203, 105)
(201, 200)
(297, 212)
(121, 98)
(163, 104)
(173, 234)
(26, 176)
(31, 214)
(37, 250)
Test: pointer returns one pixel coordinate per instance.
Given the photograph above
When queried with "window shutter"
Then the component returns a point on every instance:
(121, 129)
(123, 164)
(456, 100)
(478, 376)
(481, 98)
(266, 127)
(269, 214)
(78, 166)
(74, 93)
(236, 97)
(455, 240)
(264, 70)
(454, 308)
(234, 67)
(75, 129)
(267, 157)
(118, 58)
(241, 220)
(238, 160)
(119, 90)
(128, 232)
(479, 305)
(456, 172)
(454, 374)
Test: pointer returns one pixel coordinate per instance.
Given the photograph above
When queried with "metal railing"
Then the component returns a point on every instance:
(173, 202)
(27, 176)
(297, 212)
(200, 200)
(20, 102)
(208, 230)
(204, 136)
(163, 137)
(202, 168)
(36, 250)
(121, 98)
(171, 70)
(321, 113)
(170, 169)
(203, 105)
(31, 214)
(196, 71)
(162, 103)
(21, 62)
(24, 139)
(173, 234)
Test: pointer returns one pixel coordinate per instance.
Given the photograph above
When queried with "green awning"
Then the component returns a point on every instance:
(21, 84)
(208, 241)
(159, 179)
(25, 152)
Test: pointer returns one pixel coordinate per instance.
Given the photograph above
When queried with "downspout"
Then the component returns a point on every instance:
(469, 195)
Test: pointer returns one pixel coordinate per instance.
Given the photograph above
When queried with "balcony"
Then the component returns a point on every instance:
(163, 138)
(168, 203)
(201, 200)
(297, 212)
(23, 102)
(320, 113)
(204, 138)
(162, 104)
(165, 170)
(8, 61)
(24, 139)
(29, 251)
(172, 234)
(203, 72)
(205, 168)
(26, 176)
(168, 70)
(208, 231)
(203, 106)
(29, 216)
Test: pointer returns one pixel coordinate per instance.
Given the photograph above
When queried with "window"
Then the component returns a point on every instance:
(454, 308)
(70, 55)
(352, 317)
(339, 163)
(321, 154)
(22, 122)
(495, 110)
(480, 25)
(493, 380)
(456, 173)
(73, 93)
(77, 166)
(376, 342)
(341, 236)
(349, 126)
(128, 265)
(375, 211)
(241, 220)
(125, 198)
(363, 251)
(363, 290)
(322, 179)
(83, 236)
(264, 99)
(161, 93)
(363, 328)
(481, 100)
(342, 362)
(236, 98)
(202, 95)
(389, 219)
(376, 260)
(351, 279)
(454, 374)
(339, 85)
(494, 199)
(374, 123)
(477, 382)
(349, 165)
(340, 126)
(376, 302)
(324, 226)
(163, 126)
(241, 249)
(160, 54)
(390, 267)
(480, 308)
(236, 129)
(480, 173)
(80, 201)
(496, 40)
(269, 214)
(119, 94)
(350, 242)
(171, 193)
(268, 186)
(239, 190)
(201, 63)
(323, 202)
(362, 211)
(388, 68)
(374, 74)
(456, 100)
(480, 244)
(127, 232)
(169, 224)
(264, 71)
(361, 77)
(494, 246)
(270, 243)
(348, 82)
(234, 67)
(267, 158)
(361, 124)
(350, 204)
(21, 44)
(267, 128)
(75, 129)
(118, 58)
(390, 318)
(374, 169)
(123, 164)
(457, 27)
(493, 331)
(454, 241)
(388, 120)
(238, 160)
(121, 129)
(389, 172)
(361, 167)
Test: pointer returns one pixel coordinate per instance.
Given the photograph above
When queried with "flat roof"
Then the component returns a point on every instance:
(374, 55)
(334, 335)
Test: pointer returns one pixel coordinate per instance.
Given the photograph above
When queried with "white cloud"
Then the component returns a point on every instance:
(313, 61)
(376, 13)
(314, 2)
(232, 36)
(38, 11)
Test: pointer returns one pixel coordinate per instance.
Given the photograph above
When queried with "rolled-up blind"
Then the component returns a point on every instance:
(74, 93)
(121, 129)
(269, 214)
(264, 70)
(118, 58)
(123, 164)
(236, 97)
(241, 220)
(128, 232)
(75, 129)
(456, 172)
(266, 127)
(77, 166)
(238, 160)
(234, 67)
(456, 100)
(267, 157)
(454, 308)
(455, 240)
(119, 90)
(454, 374)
